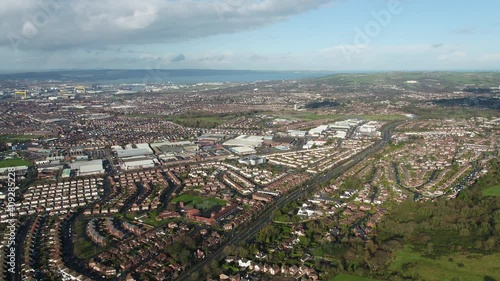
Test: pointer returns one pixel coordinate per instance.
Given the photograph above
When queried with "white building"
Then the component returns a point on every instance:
(138, 164)
(298, 134)
(244, 140)
(316, 132)
(252, 160)
(243, 150)
(86, 168)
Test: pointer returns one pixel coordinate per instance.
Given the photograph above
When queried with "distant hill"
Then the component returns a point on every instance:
(417, 80)
(161, 75)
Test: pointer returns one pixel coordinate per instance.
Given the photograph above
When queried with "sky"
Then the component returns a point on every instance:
(333, 35)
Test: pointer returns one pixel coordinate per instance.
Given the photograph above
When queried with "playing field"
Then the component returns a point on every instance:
(344, 277)
(198, 202)
(492, 191)
(14, 163)
(465, 266)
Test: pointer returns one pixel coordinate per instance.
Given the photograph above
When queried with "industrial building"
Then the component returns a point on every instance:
(369, 129)
(212, 137)
(252, 160)
(244, 140)
(137, 163)
(243, 150)
(316, 132)
(86, 168)
(297, 134)
(135, 157)
(313, 143)
(129, 151)
(20, 170)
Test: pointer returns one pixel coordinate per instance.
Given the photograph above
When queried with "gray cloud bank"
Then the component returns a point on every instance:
(62, 24)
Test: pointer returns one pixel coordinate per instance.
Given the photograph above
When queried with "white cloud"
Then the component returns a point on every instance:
(454, 55)
(491, 57)
(97, 23)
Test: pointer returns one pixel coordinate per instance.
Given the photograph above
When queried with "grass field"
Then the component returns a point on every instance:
(83, 247)
(311, 116)
(465, 266)
(16, 138)
(202, 120)
(199, 202)
(304, 115)
(492, 191)
(14, 163)
(345, 277)
(447, 113)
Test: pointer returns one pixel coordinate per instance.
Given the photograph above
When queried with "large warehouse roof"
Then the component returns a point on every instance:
(134, 152)
(251, 141)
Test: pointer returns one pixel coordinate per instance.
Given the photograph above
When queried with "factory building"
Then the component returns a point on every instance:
(86, 168)
(252, 160)
(249, 141)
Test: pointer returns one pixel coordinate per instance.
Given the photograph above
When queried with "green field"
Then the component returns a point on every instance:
(492, 191)
(204, 119)
(304, 115)
(447, 113)
(83, 247)
(438, 79)
(16, 138)
(199, 202)
(466, 266)
(375, 117)
(345, 277)
(312, 116)
(14, 163)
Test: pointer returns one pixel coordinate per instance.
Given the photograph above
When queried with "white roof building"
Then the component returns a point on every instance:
(138, 164)
(295, 133)
(133, 152)
(243, 150)
(244, 140)
(85, 168)
(319, 130)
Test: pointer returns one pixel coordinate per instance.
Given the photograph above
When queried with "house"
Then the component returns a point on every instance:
(244, 263)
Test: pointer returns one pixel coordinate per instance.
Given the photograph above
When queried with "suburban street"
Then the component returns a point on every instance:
(266, 216)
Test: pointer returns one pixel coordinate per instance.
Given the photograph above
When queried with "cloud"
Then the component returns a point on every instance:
(438, 45)
(465, 30)
(178, 58)
(453, 55)
(213, 58)
(491, 57)
(59, 24)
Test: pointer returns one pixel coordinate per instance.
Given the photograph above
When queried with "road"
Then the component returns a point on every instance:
(265, 216)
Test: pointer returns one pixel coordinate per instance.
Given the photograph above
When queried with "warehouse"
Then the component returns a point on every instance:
(252, 160)
(138, 164)
(243, 150)
(86, 168)
(244, 140)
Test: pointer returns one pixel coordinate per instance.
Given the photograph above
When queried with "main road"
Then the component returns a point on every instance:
(265, 217)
